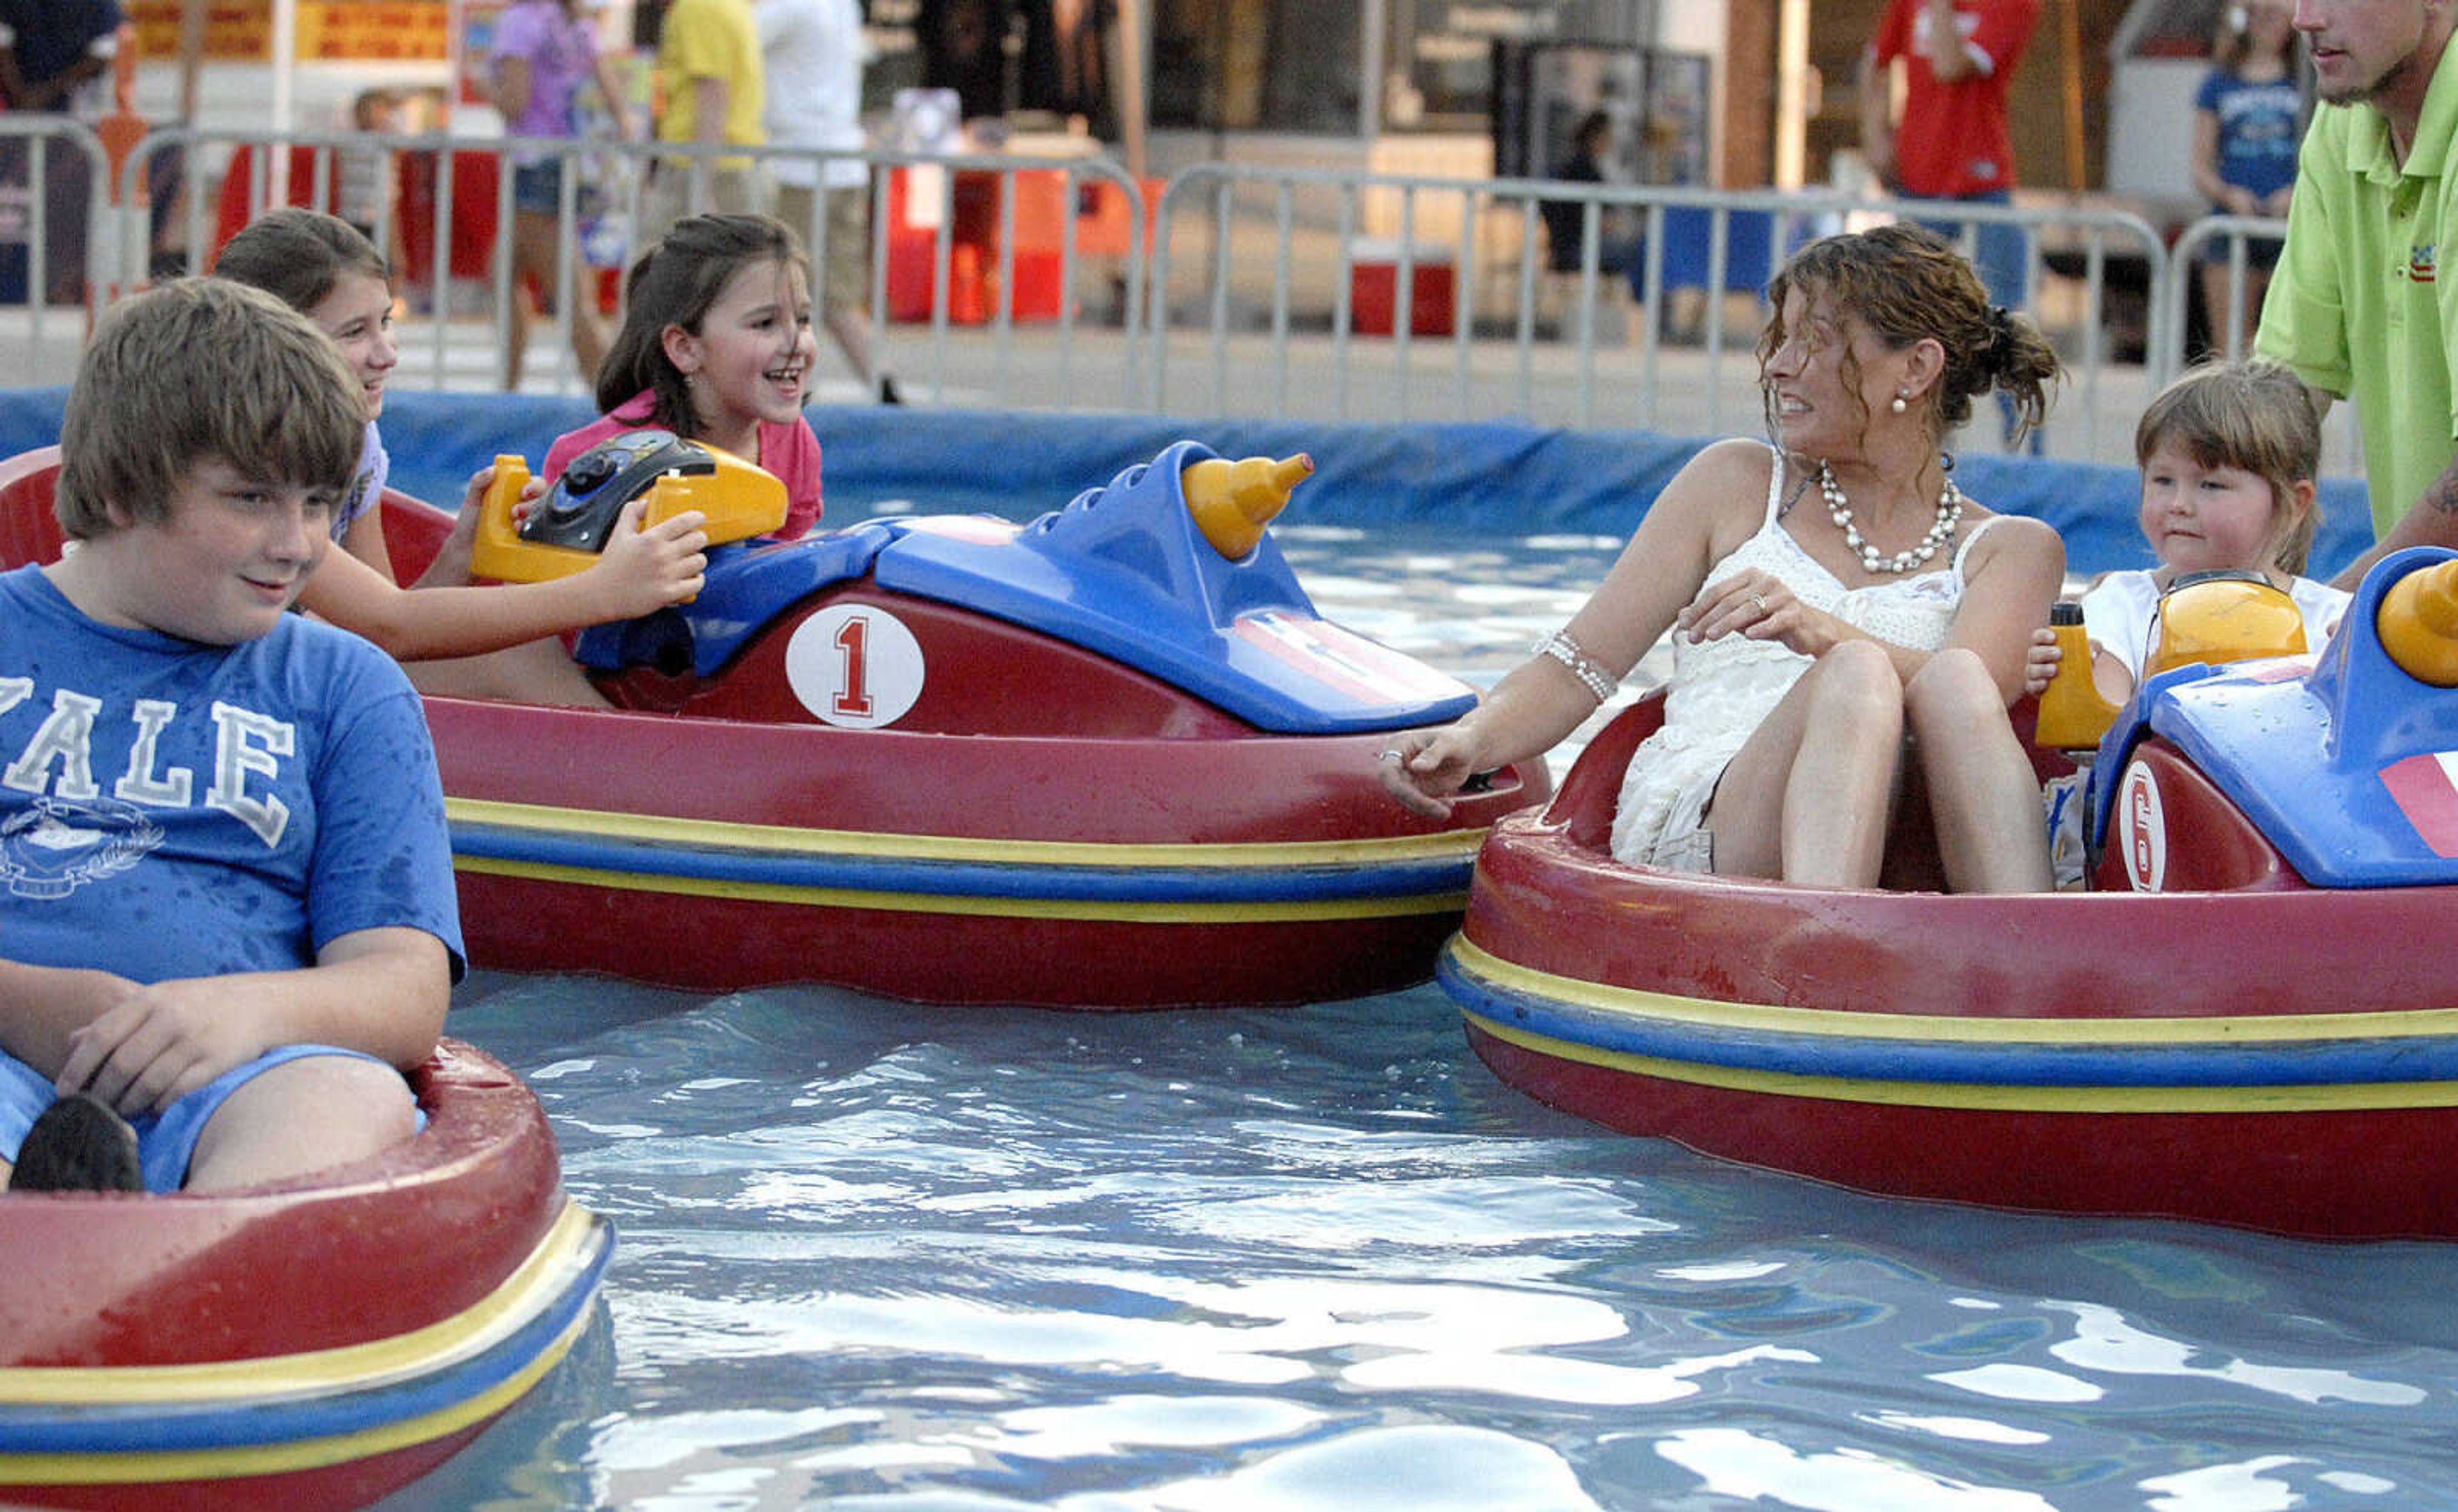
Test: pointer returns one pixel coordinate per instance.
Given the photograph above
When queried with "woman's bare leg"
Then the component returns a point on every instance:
(1984, 797)
(1808, 796)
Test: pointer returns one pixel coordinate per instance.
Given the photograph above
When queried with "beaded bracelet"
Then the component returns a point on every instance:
(1586, 667)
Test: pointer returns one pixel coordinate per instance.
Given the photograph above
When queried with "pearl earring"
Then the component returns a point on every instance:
(1900, 405)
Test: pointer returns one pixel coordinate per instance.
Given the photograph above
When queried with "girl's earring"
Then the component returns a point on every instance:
(1900, 405)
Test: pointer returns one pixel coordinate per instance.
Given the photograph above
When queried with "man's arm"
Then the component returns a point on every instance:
(50, 91)
(1877, 117)
(710, 97)
(2431, 520)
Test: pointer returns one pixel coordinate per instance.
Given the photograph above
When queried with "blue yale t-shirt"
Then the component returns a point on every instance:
(169, 809)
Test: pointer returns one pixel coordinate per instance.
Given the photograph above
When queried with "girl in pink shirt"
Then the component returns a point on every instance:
(716, 348)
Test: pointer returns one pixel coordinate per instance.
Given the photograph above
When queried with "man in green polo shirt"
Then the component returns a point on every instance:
(2356, 306)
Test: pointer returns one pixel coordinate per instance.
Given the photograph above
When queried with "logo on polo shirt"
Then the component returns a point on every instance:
(2419, 263)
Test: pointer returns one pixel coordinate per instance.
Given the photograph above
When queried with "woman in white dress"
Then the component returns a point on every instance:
(1830, 594)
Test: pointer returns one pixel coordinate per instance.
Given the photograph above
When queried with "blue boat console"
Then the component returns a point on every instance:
(1125, 571)
(2349, 769)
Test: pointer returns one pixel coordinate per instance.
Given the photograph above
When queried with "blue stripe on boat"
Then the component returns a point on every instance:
(1298, 882)
(158, 1426)
(1991, 1063)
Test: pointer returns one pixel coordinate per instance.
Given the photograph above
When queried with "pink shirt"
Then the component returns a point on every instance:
(790, 451)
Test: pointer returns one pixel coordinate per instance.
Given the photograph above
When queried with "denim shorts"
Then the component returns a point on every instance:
(165, 1141)
(538, 187)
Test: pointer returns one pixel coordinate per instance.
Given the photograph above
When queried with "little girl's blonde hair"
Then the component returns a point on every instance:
(2253, 415)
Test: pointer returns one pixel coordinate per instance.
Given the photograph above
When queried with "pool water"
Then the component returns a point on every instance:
(875, 1254)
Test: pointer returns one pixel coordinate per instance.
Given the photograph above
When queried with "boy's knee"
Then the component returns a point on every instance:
(302, 1115)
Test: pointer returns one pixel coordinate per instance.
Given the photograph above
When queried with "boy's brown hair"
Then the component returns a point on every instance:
(202, 368)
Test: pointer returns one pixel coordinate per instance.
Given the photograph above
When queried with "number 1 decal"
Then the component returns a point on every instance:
(854, 665)
(854, 638)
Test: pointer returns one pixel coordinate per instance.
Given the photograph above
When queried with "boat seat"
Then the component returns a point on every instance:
(29, 532)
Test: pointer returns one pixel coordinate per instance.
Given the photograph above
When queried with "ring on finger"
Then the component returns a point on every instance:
(1386, 756)
(1759, 599)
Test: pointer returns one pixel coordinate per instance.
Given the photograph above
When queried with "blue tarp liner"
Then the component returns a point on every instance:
(1490, 478)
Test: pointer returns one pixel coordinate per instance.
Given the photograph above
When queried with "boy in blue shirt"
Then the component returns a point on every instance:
(226, 904)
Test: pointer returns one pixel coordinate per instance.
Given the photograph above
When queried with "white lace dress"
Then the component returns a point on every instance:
(1721, 688)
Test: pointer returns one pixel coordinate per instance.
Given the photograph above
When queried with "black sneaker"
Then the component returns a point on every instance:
(887, 392)
(78, 1145)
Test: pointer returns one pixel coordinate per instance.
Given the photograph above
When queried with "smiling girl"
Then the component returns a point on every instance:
(2229, 453)
(716, 348)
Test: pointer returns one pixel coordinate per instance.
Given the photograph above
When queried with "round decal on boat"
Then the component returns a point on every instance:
(2142, 829)
(855, 666)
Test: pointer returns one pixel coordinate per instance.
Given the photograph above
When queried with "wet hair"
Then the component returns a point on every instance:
(198, 370)
(675, 283)
(2254, 416)
(298, 255)
(1907, 283)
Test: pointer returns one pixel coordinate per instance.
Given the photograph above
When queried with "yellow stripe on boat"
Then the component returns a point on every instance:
(1977, 1097)
(779, 838)
(377, 1362)
(533, 1287)
(1665, 1007)
(295, 1455)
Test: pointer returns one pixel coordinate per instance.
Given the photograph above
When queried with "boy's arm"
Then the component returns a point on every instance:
(641, 571)
(381, 991)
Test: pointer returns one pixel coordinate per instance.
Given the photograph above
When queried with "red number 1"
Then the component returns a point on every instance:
(854, 638)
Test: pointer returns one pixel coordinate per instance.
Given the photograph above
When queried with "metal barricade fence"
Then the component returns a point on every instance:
(55, 232)
(1271, 275)
(2226, 243)
(994, 225)
(998, 281)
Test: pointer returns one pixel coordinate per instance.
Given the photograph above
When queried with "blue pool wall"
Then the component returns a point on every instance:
(1488, 478)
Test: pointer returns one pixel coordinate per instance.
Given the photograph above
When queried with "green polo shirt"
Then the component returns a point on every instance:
(2357, 307)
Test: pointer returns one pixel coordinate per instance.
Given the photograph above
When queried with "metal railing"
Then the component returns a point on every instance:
(1267, 245)
(2232, 335)
(54, 182)
(942, 193)
(1001, 282)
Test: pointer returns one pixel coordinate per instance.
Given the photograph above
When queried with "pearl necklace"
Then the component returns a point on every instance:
(1950, 514)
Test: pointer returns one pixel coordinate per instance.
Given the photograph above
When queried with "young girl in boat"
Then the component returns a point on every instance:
(2230, 454)
(716, 348)
(487, 642)
(1809, 641)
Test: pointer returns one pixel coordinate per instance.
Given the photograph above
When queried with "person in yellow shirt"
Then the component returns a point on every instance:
(714, 91)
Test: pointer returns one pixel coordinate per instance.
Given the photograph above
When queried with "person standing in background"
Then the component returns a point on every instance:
(708, 56)
(54, 58)
(1953, 141)
(961, 49)
(545, 50)
(1065, 65)
(2245, 117)
(814, 52)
